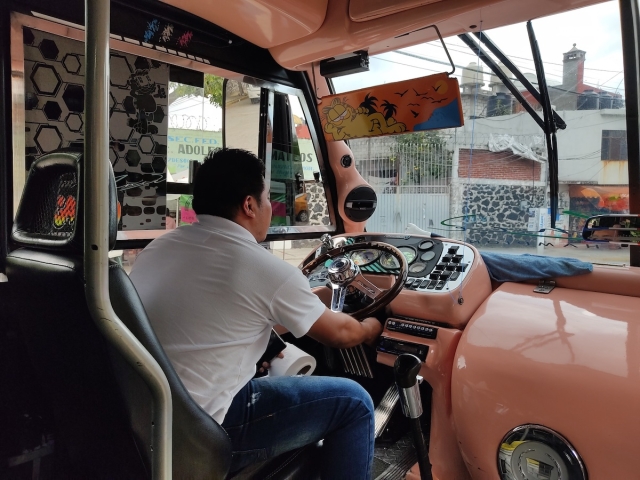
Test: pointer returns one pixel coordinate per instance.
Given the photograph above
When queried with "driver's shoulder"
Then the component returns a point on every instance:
(279, 269)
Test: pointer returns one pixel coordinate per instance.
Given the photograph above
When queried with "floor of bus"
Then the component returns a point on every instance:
(391, 462)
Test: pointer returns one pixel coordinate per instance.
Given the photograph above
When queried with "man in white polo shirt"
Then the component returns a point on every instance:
(212, 294)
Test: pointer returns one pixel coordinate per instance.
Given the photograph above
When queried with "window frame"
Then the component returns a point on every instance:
(619, 137)
(131, 239)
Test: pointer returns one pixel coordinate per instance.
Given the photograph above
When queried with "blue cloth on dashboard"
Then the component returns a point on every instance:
(517, 268)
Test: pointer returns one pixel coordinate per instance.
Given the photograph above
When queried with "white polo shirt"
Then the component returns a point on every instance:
(212, 294)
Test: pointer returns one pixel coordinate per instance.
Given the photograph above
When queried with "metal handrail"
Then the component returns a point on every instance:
(96, 242)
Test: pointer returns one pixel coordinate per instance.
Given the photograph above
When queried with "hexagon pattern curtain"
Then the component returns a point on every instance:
(54, 103)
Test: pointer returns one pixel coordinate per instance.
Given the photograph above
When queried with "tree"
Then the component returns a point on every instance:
(212, 90)
(424, 155)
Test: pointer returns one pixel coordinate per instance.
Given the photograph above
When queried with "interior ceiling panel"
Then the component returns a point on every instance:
(300, 32)
(265, 23)
(339, 35)
(364, 10)
(493, 16)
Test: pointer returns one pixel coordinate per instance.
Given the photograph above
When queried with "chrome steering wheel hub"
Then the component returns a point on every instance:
(344, 275)
(342, 271)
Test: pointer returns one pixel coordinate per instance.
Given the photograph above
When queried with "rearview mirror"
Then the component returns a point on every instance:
(617, 229)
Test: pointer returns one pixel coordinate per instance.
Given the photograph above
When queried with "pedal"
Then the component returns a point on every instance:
(385, 409)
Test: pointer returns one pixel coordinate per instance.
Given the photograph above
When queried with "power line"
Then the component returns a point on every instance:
(439, 45)
(555, 87)
(558, 73)
(427, 59)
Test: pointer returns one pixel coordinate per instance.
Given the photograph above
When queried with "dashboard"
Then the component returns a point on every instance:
(447, 280)
(433, 265)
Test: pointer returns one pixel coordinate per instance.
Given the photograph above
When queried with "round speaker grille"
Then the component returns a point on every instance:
(360, 203)
(535, 452)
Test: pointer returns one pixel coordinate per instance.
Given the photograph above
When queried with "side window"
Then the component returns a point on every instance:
(297, 194)
(242, 116)
(286, 143)
(164, 119)
(195, 128)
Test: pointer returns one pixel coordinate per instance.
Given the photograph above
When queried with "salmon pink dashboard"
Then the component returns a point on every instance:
(446, 279)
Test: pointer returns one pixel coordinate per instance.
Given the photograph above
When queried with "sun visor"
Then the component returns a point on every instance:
(425, 103)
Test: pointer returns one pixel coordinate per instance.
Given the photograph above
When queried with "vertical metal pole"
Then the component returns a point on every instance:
(630, 26)
(96, 221)
(6, 174)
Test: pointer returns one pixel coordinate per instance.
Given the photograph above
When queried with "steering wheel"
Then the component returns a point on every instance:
(343, 273)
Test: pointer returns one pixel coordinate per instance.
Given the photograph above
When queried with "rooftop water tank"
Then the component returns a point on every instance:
(473, 74)
(588, 100)
(606, 100)
(496, 84)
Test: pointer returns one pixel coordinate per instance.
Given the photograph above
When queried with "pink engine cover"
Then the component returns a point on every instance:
(569, 360)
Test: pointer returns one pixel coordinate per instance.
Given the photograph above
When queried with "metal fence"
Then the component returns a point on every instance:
(411, 177)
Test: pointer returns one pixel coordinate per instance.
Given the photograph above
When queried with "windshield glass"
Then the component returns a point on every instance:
(487, 182)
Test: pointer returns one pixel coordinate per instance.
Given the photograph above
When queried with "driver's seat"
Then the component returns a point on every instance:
(102, 407)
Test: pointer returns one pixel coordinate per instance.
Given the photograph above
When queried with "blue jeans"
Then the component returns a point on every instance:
(273, 415)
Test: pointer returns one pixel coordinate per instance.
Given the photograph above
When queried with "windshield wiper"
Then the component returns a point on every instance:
(551, 121)
(550, 127)
(484, 38)
(479, 51)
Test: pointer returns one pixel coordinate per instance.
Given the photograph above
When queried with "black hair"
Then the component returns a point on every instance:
(225, 179)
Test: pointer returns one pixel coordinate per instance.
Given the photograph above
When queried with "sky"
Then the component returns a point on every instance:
(594, 29)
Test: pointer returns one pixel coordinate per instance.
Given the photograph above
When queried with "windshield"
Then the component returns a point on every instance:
(486, 183)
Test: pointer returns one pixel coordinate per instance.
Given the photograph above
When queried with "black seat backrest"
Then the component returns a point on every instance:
(102, 406)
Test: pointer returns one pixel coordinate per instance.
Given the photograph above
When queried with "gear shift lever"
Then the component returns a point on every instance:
(405, 371)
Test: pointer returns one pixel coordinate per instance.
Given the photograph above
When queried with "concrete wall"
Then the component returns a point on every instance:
(317, 201)
(493, 201)
(497, 212)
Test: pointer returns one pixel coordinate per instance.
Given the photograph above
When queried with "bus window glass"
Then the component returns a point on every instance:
(54, 119)
(293, 163)
(242, 116)
(487, 182)
(195, 129)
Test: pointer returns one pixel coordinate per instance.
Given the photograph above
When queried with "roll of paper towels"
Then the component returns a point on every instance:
(295, 362)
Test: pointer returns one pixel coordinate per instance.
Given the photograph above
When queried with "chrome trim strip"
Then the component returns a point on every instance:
(366, 361)
(385, 409)
(410, 400)
(96, 243)
(17, 110)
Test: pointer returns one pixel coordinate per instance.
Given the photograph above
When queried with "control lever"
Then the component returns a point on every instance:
(327, 244)
(405, 371)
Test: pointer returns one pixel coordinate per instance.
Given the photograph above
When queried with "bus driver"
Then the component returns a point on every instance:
(227, 292)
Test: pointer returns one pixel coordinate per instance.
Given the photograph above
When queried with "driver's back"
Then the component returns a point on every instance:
(212, 294)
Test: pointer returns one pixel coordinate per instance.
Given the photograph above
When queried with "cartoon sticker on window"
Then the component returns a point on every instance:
(420, 104)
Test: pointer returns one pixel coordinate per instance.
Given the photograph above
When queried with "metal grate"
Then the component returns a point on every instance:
(399, 458)
(56, 208)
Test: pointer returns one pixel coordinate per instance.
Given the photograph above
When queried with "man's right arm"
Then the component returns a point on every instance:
(340, 330)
